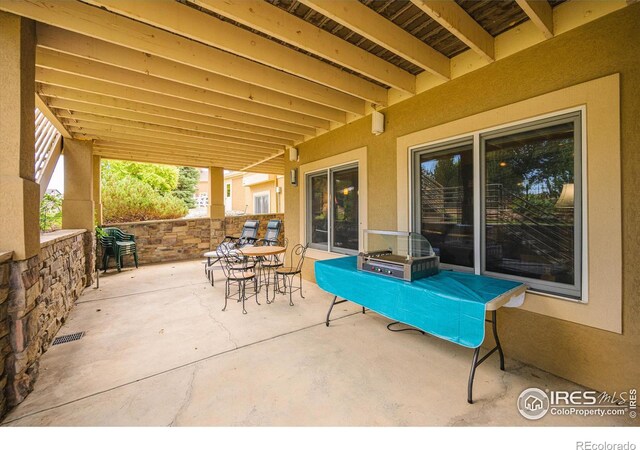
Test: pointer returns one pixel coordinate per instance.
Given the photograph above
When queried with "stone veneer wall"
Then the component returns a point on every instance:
(36, 296)
(168, 240)
(5, 345)
(233, 224)
(180, 239)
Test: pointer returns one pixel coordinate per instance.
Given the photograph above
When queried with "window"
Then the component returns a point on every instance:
(228, 190)
(261, 202)
(332, 209)
(507, 206)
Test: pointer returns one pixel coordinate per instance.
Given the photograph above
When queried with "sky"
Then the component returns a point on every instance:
(57, 179)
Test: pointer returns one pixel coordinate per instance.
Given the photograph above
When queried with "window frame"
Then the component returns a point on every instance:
(257, 195)
(328, 171)
(577, 291)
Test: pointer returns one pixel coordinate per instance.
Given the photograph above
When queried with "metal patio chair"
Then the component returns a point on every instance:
(239, 272)
(248, 236)
(288, 271)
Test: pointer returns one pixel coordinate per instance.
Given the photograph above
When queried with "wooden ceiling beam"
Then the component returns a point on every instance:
(171, 124)
(184, 21)
(44, 109)
(73, 82)
(94, 22)
(540, 13)
(60, 62)
(456, 20)
(371, 25)
(81, 119)
(110, 107)
(273, 21)
(96, 50)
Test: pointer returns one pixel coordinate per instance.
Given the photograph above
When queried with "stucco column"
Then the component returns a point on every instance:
(19, 193)
(97, 193)
(216, 204)
(77, 206)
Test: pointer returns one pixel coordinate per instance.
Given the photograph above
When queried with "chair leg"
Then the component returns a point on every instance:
(105, 262)
(135, 258)
(244, 294)
(255, 289)
(226, 294)
(290, 279)
(301, 285)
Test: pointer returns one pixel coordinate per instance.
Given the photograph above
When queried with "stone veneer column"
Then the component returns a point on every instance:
(216, 204)
(97, 193)
(20, 198)
(77, 206)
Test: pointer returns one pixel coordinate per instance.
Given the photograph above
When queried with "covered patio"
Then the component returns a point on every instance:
(504, 134)
(165, 354)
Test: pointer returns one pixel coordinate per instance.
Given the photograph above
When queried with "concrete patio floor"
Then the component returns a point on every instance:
(158, 350)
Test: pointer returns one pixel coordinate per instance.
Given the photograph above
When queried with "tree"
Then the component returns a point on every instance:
(162, 179)
(51, 212)
(188, 178)
(135, 191)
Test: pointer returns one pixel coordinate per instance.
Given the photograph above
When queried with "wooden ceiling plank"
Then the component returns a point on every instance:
(165, 152)
(72, 82)
(95, 104)
(540, 13)
(456, 20)
(60, 62)
(161, 131)
(177, 127)
(104, 132)
(187, 22)
(101, 51)
(90, 21)
(142, 145)
(371, 25)
(273, 21)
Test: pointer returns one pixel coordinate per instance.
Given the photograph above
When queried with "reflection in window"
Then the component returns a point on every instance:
(332, 209)
(345, 208)
(261, 203)
(319, 212)
(529, 204)
(446, 203)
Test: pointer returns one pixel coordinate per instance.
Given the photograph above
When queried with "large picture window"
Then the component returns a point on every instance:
(525, 223)
(332, 209)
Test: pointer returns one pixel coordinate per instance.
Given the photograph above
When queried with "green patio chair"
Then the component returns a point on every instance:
(117, 243)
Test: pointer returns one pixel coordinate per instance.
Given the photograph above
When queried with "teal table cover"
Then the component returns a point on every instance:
(450, 305)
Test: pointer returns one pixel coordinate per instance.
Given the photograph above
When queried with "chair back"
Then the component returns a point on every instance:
(273, 232)
(118, 234)
(249, 232)
(297, 254)
(232, 258)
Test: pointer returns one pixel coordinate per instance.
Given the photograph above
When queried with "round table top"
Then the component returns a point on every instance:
(264, 250)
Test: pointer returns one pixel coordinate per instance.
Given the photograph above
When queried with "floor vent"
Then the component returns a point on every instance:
(67, 338)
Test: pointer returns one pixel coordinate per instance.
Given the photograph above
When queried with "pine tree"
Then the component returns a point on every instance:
(188, 178)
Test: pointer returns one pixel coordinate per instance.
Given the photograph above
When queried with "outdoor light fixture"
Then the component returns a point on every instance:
(502, 164)
(294, 177)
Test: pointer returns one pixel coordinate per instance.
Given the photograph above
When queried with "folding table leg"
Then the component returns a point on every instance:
(476, 353)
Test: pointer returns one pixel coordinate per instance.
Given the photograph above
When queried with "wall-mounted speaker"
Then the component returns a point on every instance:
(293, 154)
(377, 123)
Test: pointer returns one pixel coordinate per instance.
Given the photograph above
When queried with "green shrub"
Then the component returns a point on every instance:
(128, 197)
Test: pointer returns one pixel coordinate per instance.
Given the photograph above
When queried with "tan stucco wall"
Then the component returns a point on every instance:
(595, 358)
